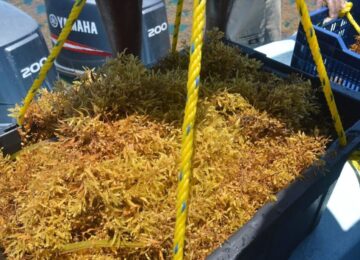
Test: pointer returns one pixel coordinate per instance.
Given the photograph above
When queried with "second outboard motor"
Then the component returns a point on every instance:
(139, 26)
(22, 53)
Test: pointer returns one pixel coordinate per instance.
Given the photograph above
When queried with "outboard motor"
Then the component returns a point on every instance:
(22, 53)
(140, 27)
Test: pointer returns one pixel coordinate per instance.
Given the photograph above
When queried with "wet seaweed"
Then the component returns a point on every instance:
(124, 86)
(356, 46)
(106, 188)
(116, 181)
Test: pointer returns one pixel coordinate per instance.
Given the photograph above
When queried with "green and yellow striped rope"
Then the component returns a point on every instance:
(187, 149)
(346, 12)
(74, 14)
(324, 78)
(177, 24)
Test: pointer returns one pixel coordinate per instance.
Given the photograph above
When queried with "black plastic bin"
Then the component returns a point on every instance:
(279, 227)
(10, 141)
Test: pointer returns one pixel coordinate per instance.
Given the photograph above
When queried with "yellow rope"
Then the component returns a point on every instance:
(177, 23)
(183, 191)
(354, 160)
(356, 165)
(346, 11)
(315, 50)
(74, 14)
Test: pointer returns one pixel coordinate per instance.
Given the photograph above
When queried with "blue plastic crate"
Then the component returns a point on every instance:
(335, 37)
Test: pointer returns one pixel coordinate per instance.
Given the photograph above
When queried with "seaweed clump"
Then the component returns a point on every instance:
(356, 46)
(225, 67)
(106, 188)
(124, 86)
(116, 181)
